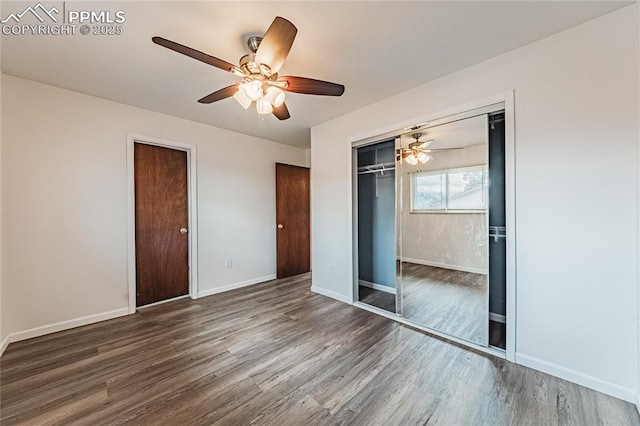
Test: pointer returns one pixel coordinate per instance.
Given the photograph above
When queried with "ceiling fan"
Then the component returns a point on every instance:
(418, 152)
(259, 72)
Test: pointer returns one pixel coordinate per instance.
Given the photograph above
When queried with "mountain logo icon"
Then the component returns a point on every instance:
(39, 11)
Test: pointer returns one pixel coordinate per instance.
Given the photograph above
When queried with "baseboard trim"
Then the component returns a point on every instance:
(497, 318)
(66, 325)
(91, 319)
(4, 344)
(591, 382)
(173, 299)
(445, 266)
(375, 286)
(331, 294)
(216, 290)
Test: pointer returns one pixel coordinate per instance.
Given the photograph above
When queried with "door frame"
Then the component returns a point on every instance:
(432, 119)
(191, 151)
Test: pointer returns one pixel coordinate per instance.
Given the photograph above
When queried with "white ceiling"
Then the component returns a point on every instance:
(376, 49)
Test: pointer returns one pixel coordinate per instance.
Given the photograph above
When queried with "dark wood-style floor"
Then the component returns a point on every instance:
(278, 354)
(453, 302)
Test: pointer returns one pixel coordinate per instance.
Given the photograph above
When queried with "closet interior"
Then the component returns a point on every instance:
(377, 274)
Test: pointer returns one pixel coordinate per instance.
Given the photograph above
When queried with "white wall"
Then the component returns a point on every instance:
(638, 290)
(3, 323)
(65, 202)
(576, 136)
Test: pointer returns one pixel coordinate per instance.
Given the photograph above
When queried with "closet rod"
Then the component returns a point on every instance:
(380, 166)
(376, 171)
(375, 168)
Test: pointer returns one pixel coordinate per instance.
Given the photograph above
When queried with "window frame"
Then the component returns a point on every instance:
(445, 173)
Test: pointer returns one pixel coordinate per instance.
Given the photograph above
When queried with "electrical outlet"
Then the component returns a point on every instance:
(228, 263)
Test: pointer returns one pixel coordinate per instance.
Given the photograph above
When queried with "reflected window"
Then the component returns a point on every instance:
(460, 189)
(429, 191)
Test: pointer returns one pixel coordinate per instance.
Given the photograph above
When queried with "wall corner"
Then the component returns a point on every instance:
(637, 6)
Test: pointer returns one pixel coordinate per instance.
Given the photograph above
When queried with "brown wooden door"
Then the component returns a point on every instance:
(162, 250)
(292, 220)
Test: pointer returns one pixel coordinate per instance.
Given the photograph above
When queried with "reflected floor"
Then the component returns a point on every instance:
(377, 298)
(453, 302)
(497, 334)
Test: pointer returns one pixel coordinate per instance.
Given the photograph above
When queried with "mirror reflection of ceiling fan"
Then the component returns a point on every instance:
(259, 72)
(418, 152)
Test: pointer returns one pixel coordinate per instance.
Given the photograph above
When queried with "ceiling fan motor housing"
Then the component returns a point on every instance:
(253, 43)
(417, 142)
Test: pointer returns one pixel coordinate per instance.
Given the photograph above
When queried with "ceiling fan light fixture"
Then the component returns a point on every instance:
(237, 71)
(275, 96)
(265, 70)
(416, 151)
(422, 157)
(411, 159)
(253, 89)
(263, 106)
(242, 99)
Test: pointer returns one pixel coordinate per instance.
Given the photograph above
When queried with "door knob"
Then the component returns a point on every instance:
(280, 226)
(183, 231)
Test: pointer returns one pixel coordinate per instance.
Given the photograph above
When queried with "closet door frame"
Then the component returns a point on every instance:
(504, 101)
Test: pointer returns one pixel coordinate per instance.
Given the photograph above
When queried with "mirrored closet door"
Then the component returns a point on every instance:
(430, 240)
(444, 228)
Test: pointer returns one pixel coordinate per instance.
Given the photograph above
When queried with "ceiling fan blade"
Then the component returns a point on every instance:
(192, 53)
(309, 86)
(282, 112)
(425, 144)
(276, 44)
(220, 94)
